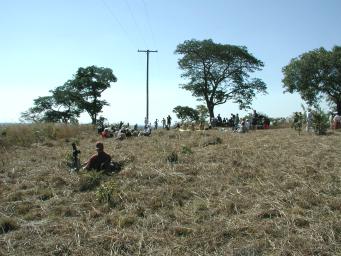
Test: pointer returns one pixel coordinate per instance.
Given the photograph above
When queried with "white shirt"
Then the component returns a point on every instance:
(337, 118)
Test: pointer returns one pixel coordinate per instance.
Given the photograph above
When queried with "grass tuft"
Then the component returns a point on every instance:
(7, 225)
(89, 180)
(212, 141)
(172, 158)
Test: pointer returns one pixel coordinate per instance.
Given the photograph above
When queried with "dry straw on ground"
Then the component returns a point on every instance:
(268, 192)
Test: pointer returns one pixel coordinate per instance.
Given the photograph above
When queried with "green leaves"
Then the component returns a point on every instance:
(77, 95)
(186, 113)
(315, 75)
(89, 83)
(219, 72)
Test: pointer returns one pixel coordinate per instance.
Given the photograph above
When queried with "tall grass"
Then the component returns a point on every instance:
(215, 192)
(28, 134)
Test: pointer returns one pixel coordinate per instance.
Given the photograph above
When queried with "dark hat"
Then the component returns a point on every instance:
(99, 145)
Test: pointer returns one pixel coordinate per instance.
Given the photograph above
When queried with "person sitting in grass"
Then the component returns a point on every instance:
(105, 133)
(99, 161)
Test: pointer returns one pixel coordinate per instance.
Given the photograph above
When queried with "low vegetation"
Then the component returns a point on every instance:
(266, 192)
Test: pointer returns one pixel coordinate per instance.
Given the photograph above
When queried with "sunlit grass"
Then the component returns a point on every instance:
(266, 192)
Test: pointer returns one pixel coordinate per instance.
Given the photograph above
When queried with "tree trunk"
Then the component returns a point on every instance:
(210, 108)
(93, 119)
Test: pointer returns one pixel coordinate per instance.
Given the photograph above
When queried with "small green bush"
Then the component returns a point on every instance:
(320, 122)
(186, 150)
(106, 192)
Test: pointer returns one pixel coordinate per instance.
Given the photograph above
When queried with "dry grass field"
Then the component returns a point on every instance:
(267, 192)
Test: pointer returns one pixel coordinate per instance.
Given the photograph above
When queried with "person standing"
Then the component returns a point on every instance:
(309, 120)
(156, 123)
(219, 120)
(331, 119)
(169, 120)
(163, 123)
(247, 124)
(236, 121)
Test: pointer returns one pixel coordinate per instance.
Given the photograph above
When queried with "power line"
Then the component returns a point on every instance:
(118, 22)
(136, 24)
(151, 32)
(148, 21)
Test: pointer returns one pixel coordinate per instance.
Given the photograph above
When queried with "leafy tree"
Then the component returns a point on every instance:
(59, 107)
(203, 112)
(315, 75)
(186, 113)
(77, 95)
(218, 73)
(88, 85)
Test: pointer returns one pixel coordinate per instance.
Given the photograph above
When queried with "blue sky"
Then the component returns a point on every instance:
(44, 42)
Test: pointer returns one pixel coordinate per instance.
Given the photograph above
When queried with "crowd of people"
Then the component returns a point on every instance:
(252, 121)
(237, 124)
(102, 161)
(122, 130)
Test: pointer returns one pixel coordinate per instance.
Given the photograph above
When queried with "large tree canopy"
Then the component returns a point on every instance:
(219, 72)
(315, 75)
(88, 84)
(60, 107)
(80, 94)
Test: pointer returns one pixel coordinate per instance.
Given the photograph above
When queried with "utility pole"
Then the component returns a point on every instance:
(147, 110)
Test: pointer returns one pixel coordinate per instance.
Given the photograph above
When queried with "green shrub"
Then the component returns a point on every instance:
(106, 193)
(186, 150)
(298, 122)
(320, 122)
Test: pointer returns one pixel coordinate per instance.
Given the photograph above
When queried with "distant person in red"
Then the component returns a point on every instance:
(105, 133)
(99, 161)
(266, 123)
